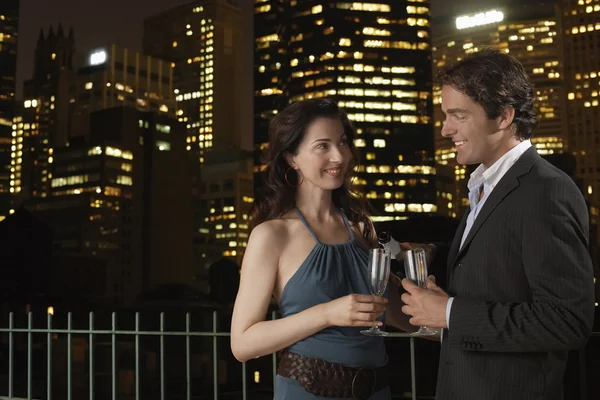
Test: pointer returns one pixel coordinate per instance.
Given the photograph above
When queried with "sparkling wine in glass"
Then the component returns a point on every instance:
(415, 268)
(378, 276)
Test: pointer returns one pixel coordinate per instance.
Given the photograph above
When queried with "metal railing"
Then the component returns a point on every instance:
(93, 335)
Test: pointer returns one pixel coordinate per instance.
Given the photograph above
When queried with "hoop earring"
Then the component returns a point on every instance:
(288, 181)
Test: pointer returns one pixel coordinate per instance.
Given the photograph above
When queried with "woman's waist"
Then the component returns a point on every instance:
(356, 351)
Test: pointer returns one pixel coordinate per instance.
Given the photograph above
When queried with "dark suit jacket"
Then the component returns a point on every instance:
(523, 288)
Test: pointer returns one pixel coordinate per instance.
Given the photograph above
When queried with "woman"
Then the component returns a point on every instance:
(309, 249)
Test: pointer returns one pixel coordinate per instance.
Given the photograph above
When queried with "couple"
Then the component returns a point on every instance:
(520, 279)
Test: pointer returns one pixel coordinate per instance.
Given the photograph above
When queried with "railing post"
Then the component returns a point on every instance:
(137, 356)
(215, 359)
(91, 355)
(582, 374)
(188, 349)
(69, 356)
(11, 354)
(244, 383)
(29, 346)
(413, 370)
(162, 356)
(49, 359)
(113, 356)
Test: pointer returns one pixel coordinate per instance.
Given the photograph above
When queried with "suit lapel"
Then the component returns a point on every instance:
(508, 183)
(457, 238)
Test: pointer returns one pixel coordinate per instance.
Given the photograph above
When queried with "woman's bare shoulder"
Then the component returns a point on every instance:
(274, 230)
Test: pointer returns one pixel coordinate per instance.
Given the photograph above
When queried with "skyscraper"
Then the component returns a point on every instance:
(374, 59)
(113, 76)
(9, 27)
(270, 59)
(209, 43)
(43, 119)
(581, 27)
(203, 41)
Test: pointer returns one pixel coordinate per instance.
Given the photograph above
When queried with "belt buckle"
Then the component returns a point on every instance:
(356, 388)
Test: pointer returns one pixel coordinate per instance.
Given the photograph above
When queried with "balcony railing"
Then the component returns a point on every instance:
(68, 363)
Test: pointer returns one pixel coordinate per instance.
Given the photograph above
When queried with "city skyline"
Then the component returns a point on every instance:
(102, 26)
(125, 29)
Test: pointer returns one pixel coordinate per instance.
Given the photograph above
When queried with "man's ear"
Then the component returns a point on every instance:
(506, 117)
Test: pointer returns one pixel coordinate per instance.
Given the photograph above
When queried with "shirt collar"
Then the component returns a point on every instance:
(492, 175)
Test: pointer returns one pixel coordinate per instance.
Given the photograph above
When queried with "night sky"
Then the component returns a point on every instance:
(96, 23)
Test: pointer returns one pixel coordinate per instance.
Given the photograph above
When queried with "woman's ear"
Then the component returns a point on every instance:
(290, 159)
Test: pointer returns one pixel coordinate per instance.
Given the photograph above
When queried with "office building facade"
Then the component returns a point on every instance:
(374, 59)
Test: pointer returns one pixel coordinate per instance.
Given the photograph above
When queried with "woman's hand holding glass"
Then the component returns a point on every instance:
(355, 310)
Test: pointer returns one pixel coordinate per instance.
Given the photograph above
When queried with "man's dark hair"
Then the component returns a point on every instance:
(495, 80)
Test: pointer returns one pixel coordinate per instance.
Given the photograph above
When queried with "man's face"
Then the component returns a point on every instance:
(478, 139)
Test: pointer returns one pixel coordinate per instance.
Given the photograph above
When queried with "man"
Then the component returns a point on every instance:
(520, 281)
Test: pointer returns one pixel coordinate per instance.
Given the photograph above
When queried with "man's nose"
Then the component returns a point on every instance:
(447, 129)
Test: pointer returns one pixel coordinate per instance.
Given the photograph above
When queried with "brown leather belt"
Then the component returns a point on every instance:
(327, 379)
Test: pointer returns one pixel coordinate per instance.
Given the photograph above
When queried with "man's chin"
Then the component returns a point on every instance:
(466, 161)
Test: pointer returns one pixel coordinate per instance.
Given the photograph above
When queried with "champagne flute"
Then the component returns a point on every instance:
(415, 268)
(379, 274)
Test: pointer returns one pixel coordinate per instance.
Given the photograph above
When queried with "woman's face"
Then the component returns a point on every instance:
(324, 155)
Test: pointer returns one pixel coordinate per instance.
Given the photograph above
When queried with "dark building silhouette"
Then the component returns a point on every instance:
(36, 276)
(224, 281)
(42, 121)
(123, 195)
(54, 52)
(25, 257)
